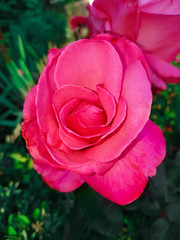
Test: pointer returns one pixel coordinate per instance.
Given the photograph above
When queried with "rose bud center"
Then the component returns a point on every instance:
(85, 114)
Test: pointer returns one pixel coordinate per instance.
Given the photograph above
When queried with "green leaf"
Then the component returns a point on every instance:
(7, 103)
(13, 70)
(10, 219)
(105, 216)
(32, 52)
(29, 81)
(150, 207)
(11, 231)
(178, 156)
(75, 225)
(109, 222)
(173, 212)
(18, 157)
(8, 123)
(36, 213)
(21, 48)
(173, 170)
(23, 219)
(158, 184)
(4, 78)
(162, 230)
(132, 206)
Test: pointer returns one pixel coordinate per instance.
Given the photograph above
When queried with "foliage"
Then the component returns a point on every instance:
(24, 214)
(27, 18)
(19, 77)
(165, 111)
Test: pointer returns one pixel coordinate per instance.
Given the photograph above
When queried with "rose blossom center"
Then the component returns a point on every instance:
(87, 114)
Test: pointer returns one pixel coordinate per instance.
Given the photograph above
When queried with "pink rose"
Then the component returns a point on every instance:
(152, 24)
(87, 119)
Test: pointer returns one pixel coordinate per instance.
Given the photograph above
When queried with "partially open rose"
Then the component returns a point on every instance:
(81, 27)
(87, 119)
(153, 25)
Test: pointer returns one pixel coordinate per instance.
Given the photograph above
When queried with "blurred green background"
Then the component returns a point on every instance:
(29, 209)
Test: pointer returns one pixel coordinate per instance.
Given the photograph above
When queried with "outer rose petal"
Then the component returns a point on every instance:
(114, 13)
(126, 180)
(52, 173)
(157, 83)
(78, 162)
(128, 51)
(138, 111)
(59, 179)
(52, 53)
(29, 109)
(159, 35)
(98, 20)
(45, 113)
(97, 62)
(164, 70)
(158, 6)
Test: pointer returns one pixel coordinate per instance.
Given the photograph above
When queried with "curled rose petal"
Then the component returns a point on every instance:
(107, 102)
